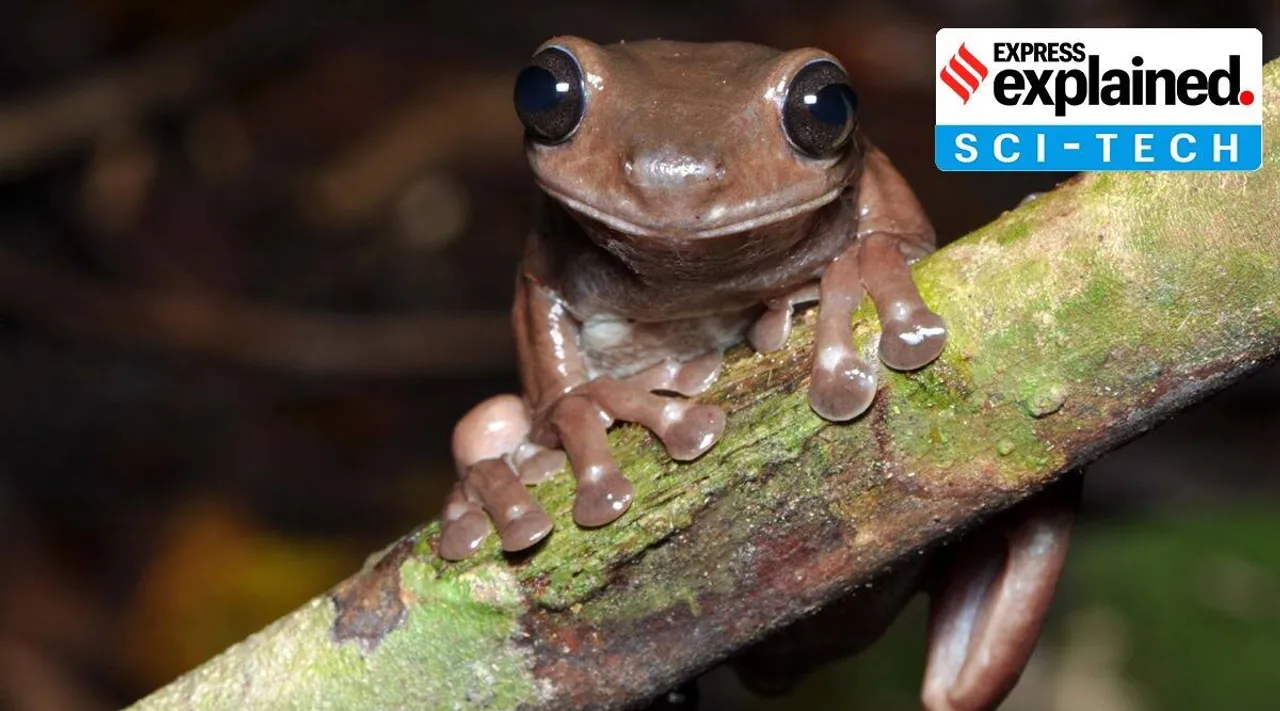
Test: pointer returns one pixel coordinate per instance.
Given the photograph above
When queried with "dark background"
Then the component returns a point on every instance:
(199, 201)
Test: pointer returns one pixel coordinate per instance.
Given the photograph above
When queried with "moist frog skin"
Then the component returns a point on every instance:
(691, 196)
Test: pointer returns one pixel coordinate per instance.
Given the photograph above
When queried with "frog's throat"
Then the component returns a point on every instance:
(632, 229)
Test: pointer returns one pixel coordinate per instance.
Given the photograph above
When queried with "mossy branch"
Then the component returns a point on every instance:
(1077, 322)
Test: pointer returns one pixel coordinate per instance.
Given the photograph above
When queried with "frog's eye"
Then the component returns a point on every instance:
(549, 96)
(820, 112)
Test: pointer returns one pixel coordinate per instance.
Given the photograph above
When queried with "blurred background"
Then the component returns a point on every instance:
(256, 257)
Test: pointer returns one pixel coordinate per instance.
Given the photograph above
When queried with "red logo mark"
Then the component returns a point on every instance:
(964, 73)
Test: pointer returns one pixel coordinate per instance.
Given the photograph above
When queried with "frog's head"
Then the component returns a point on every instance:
(678, 141)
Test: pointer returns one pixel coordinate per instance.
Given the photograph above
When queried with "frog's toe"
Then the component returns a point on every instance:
(686, 429)
(842, 385)
(698, 375)
(913, 342)
(525, 530)
(538, 464)
(603, 494)
(770, 332)
(689, 377)
(689, 430)
(463, 526)
(602, 497)
(518, 516)
(460, 538)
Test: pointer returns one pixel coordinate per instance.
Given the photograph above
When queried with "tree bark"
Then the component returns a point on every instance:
(1078, 321)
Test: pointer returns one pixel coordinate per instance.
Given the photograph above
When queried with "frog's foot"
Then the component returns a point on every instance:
(581, 421)
(841, 385)
(691, 377)
(603, 494)
(491, 486)
(770, 332)
(687, 429)
(986, 615)
(487, 442)
(913, 336)
(463, 524)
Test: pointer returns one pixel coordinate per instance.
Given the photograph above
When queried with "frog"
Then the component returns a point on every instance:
(692, 197)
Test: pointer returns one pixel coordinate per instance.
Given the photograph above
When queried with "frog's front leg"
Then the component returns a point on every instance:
(842, 384)
(892, 225)
(912, 336)
(495, 445)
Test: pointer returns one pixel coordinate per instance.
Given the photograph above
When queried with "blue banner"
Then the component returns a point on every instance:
(1097, 148)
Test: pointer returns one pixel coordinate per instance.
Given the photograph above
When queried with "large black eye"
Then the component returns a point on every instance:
(549, 95)
(821, 110)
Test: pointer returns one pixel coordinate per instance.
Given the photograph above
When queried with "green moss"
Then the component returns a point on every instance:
(574, 563)
(779, 489)
(1043, 400)
(450, 624)
(455, 642)
(1014, 229)
(1100, 184)
(935, 423)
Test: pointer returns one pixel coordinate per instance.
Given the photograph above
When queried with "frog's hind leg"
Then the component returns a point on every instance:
(463, 524)
(987, 613)
(913, 336)
(488, 443)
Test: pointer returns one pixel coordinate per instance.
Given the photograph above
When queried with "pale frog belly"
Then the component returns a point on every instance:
(617, 347)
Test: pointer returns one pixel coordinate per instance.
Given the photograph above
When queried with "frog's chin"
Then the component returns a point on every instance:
(690, 231)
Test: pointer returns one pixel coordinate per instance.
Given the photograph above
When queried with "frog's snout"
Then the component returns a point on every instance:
(674, 170)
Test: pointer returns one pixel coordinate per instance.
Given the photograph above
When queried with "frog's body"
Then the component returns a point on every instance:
(692, 195)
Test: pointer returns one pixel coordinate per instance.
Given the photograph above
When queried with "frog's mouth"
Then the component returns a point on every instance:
(714, 253)
(687, 231)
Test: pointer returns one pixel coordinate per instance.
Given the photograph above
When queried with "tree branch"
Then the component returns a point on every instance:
(1077, 322)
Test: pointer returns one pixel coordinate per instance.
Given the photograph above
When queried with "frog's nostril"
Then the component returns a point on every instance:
(671, 168)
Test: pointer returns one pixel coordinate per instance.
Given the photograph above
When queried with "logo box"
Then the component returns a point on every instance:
(1109, 99)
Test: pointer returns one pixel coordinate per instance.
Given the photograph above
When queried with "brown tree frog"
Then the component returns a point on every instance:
(691, 195)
